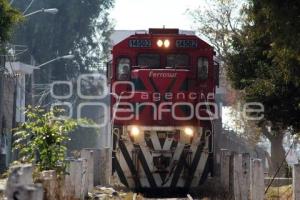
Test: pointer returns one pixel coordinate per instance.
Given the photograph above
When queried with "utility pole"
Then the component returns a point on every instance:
(2, 155)
(2, 68)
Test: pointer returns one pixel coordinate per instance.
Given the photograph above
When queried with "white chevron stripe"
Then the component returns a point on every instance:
(167, 144)
(125, 169)
(196, 142)
(176, 157)
(155, 140)
(200, 169)
(181, 181)
(149, 160)
(143, 177)
(177, 152)
(201, 164)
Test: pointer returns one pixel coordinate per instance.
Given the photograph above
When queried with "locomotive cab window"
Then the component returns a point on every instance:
(177, 60)
(202, 68)
(123, 69)
(148, 60)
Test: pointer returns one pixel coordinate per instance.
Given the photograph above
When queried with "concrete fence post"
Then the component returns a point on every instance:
(19, 175)
(105, 166)
(102, 165)
(245, 176)
(257, 185)
(50, 184)
(69, 187)
(96, 165)
(20, 184)
(296, 182)
(237, 176)
(28, 192)
(240, 176)
(75, 180)
(83, 178)
(81, 165)
(224, 169)
(89, 156)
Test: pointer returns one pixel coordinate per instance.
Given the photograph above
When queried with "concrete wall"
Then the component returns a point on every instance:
(98, 138)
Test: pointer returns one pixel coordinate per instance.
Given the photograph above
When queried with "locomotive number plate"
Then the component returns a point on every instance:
(186, 44)
(140, 43)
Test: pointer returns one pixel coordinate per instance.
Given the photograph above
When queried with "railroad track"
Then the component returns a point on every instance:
(138, 197)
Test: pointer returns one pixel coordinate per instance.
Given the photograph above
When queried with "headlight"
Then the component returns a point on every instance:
(167, 43)
(189, 131)
(159, 43)
(135, 131)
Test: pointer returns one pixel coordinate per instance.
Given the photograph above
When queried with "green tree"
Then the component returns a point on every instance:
(81, 28)
(261, 57)
(265, 65)
(8, 18)
(218, 21)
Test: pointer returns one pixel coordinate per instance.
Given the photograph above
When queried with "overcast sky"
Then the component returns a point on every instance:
(143, 14)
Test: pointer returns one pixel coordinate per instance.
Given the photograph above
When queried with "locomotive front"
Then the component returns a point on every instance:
(162, 110)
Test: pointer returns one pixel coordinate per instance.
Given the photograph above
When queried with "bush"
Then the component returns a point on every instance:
(42, 139)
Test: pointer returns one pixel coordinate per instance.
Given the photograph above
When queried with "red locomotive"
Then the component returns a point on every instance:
(162, 110)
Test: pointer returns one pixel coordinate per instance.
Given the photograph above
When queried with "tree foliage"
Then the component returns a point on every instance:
(266, 60)
(218, 22)
(261, 59)
(42, 139)
(81, 28)
(8, 18)
(265, 65)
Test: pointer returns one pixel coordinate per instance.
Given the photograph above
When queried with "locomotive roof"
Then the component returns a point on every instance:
(122, 36)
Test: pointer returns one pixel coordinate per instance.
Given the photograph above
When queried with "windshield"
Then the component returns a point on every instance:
(176, 60)
(123, 70)
(149, 60)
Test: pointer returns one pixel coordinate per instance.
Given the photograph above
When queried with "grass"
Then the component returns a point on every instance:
(279, 193)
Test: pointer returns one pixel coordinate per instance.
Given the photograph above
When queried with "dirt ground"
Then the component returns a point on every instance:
(121, 193)
(2, 187)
